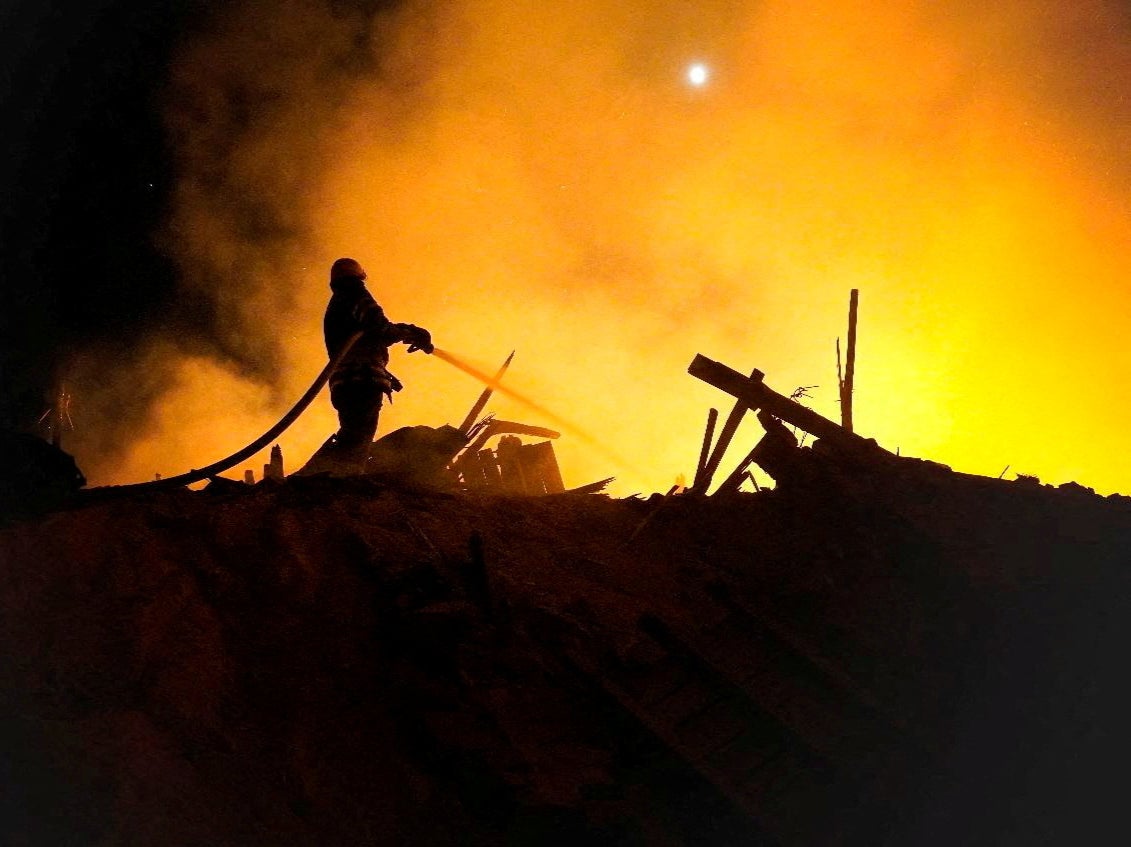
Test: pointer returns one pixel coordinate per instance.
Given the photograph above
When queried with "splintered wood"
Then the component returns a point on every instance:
(755, 394)
(773, 409)
(512, 468)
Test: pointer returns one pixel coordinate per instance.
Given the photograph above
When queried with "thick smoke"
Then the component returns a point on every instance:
(543, 178)
(249, 104)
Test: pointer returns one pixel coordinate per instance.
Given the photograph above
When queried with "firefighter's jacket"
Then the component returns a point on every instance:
(353, 308)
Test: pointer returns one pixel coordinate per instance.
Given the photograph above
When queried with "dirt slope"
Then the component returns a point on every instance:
(344, 662)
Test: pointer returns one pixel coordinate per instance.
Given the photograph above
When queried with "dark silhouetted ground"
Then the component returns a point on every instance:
(905, 657)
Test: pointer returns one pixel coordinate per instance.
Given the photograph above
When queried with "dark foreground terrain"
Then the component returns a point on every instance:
(906, 657)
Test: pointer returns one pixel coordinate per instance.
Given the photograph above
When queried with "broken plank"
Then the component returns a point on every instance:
(730, 427)
(756, 395)
(704, 453)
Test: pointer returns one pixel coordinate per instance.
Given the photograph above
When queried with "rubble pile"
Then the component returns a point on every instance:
(896, 655)
(451, 649)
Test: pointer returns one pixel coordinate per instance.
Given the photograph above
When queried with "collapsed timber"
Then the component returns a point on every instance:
(877, 651)
(445, 458)
(837, 456)
(894, 655)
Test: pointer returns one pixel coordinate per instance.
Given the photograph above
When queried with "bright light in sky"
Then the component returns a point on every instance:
(697, 74)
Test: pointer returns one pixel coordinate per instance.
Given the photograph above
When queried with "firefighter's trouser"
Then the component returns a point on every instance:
(359, 405)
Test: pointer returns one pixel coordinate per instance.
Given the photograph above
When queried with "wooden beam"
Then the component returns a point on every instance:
(708, 434)
(703, 480)
(541, 468)
(734, 479)
(756, 395)
(469, 421)
(494, 427)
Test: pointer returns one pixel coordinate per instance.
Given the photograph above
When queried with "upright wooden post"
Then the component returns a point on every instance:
(850, 363)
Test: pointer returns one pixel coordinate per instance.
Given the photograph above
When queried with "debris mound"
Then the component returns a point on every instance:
(909, 656)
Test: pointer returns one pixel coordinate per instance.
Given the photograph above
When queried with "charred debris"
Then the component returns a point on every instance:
(487, 454)
(877, 651)
(468, 457)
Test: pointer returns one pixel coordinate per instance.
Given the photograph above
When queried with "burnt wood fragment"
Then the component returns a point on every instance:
(756, 395)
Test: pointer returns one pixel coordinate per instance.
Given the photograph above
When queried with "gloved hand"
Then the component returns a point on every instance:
(418, 338)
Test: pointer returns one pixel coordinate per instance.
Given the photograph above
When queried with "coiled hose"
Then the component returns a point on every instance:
(259, 443)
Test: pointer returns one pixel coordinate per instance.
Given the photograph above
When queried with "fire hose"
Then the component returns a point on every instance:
(259, 443)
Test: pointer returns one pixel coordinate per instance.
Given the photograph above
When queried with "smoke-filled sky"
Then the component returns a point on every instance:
(546, 178)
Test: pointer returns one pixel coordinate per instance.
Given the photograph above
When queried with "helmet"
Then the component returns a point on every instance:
(346, 267)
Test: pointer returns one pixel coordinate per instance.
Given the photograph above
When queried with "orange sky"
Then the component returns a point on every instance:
(546, 180)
